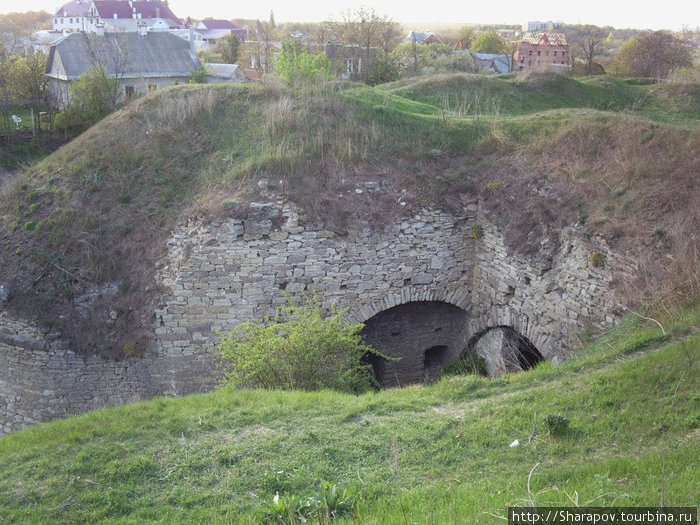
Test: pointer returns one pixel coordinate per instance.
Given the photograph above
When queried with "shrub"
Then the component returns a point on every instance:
(329, 503)
(298, 349)
(596, 260)
(476, 231)
(556, 425)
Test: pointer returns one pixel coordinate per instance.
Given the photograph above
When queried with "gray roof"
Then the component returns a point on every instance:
(127, 55)
(499, 63)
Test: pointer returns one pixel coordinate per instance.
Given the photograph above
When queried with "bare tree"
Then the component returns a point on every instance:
(109, 60)
(260, 47)
(590, 45)
(365, 28)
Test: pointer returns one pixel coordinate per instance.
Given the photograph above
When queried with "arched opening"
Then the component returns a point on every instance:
(424, 336)
(434, 359)
(504, 350)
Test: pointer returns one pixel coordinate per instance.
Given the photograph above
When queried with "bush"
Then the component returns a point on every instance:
(556, 425)
(329, 503)
(298, 349)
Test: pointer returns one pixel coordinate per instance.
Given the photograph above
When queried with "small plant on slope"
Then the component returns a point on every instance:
(298, 349)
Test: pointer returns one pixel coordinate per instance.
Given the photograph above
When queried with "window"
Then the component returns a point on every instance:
(531, 52)
(547, 53)
(555, 53)
(129, 91)
(539, 53)
(71, 20)
(353, 65)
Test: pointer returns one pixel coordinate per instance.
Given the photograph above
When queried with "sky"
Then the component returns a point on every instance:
(621, 14)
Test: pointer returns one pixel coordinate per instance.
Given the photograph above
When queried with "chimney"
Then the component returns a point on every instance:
(192, 40)
(157, 12)
(100, 29)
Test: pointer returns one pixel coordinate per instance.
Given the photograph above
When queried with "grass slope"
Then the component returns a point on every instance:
(438, 454)
(616, 158)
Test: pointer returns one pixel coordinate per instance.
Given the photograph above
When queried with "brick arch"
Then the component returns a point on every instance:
(392, 298)
(504, 316)
(425, 334)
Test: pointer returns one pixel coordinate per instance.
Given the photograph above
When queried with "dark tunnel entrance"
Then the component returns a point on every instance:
(504, 350)
(424, 335)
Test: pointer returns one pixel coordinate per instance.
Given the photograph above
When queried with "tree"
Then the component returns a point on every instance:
(652, 55)
(17, 28)
(410, 59)
(26, 79)
(227, 48)
(297, 67)
(365, 28)
(461, 62)
(589, 43)
(489, 42)
(260, 47)
(383, 71)
(465, 37)
(93, 97)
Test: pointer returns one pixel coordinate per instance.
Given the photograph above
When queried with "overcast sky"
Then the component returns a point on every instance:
(670, 14)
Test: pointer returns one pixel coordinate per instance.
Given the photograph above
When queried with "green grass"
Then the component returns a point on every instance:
(516, 95)
(100, 206)
(439, 454)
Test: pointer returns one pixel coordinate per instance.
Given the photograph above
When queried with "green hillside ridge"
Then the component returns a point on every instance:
(611, 157)
(627, 410)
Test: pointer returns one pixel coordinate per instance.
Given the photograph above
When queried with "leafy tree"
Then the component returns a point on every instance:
(383, 71)
(92, 97)
(25, 77)
(411, 58)
(4, 88)
(271, 20)
(489, 42)
(227, 48)
(652, 55)
(465, 37)
(454, 63)
(296, 66)
(297, 349)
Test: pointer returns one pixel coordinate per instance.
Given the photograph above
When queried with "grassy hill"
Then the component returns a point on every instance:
(617, 158)
(617, 425)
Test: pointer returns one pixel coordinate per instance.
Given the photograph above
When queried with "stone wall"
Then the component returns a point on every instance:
(221, 273)
(42, 379)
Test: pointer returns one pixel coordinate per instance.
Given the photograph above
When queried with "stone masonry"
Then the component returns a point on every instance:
(221, 273)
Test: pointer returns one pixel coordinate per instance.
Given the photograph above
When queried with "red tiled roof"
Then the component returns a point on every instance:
(109, 8)
(154, 10)
(218, 24)
(74, 8)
